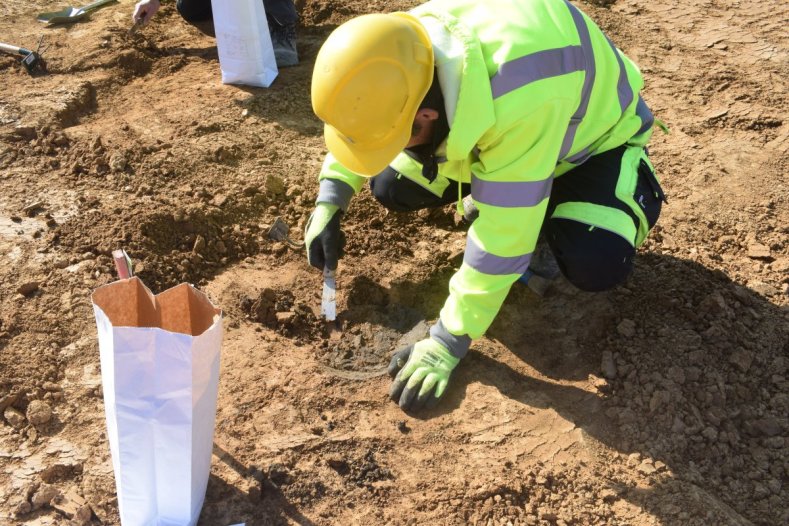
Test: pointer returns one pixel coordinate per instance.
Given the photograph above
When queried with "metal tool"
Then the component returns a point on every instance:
(123, 264)
(68, 15)
(329, 297)
(31, 60)
(279, 232)
(137, 25)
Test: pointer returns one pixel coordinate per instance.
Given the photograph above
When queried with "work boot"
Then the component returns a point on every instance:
(543, 262)
(283, 38)
(543, 269)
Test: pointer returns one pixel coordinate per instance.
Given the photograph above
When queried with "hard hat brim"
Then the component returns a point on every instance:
(364, 161)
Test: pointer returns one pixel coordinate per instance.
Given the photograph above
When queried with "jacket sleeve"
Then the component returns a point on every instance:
(510, 185)
(337, 184)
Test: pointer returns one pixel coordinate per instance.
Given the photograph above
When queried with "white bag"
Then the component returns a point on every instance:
(160, 372)
(246, 55)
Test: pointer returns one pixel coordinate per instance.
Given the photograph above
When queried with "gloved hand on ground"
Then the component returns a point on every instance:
(421, 373)
(323, 237)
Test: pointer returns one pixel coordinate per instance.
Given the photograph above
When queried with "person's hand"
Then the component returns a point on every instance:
(323, 237)
(421, 374)
(144, 11)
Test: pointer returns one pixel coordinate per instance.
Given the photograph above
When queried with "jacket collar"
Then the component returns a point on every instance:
(464, 81)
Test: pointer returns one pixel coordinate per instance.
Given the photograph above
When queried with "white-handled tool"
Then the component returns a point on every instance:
(329, 298)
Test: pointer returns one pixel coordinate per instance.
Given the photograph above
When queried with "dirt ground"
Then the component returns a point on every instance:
(664, 401)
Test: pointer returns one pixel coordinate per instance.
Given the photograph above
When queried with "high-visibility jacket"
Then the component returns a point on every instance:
(532, 88)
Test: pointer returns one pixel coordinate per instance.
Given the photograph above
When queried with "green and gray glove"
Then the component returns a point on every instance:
(323, 237)
(421, 373)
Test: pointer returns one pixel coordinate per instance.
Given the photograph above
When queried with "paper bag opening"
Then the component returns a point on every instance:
(182, 309)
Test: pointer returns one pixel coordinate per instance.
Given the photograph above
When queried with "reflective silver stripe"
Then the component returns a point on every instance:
(457, 345)
(647, 119)
(588, 52)
(335, 192)
(510, 194)
(580, 157)
(623, 89)
(489, 263)
(537, 66)
(625, 94)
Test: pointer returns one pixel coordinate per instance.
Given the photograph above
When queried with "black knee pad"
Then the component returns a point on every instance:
(383, 188)
(283, 12)
(401, 194)
(590, 258)
(194, 11)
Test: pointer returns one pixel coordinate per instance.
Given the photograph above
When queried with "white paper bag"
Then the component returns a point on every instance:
(246, 55)
(160, 373)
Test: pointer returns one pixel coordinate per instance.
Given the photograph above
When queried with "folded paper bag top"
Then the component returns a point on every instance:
(182, 309)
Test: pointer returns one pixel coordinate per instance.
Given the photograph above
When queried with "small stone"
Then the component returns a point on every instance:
(769, 426)
(275, 185)
(14, 417)
(28, 288)
(549, 516)
(710, 433)
(742, 359)
(713, 304)
(678, 426)
(60, 139)
(607, 365)
(8, 400)
(96, 145)
(676, 374)
(626, 328)
(765, 289)
(284, 318)
(692, 374)
(74, 507)
(758, 251)
(118, 162)
(23, 508)
(646, 467)
(609, 495)
(221, 247)
(402, 426)
(659, 400)
(44, 496)
(774, 486)
(39, 412)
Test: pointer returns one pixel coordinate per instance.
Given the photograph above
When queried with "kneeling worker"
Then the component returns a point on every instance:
(524, 105)
(281, 16)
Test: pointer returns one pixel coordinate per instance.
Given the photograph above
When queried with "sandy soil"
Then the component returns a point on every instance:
(664, 401)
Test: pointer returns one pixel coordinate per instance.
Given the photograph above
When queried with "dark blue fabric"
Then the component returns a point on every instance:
(596, 259)
(401, 194)
(591, 259)
(283, 12)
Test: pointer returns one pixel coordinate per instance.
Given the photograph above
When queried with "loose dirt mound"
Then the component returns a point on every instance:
(661, 402)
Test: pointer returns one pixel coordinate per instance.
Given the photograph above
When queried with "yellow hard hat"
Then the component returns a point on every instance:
(369, 78)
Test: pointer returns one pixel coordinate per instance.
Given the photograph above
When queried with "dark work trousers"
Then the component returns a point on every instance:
(592, 259)
(283, 12)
